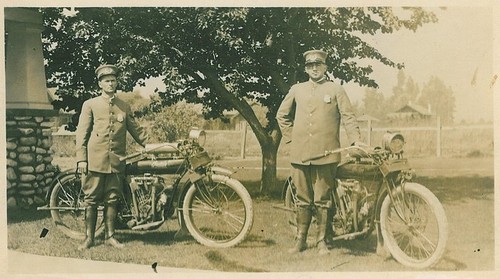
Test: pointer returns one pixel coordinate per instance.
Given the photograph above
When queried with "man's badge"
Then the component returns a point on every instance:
(327, 99)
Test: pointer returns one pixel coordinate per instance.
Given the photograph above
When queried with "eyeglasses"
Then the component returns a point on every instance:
(314, 64)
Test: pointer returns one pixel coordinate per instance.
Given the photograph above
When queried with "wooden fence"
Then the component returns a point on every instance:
(435, 140)
(429, 141)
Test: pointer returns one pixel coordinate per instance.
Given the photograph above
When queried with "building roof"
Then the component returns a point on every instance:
(415, 108)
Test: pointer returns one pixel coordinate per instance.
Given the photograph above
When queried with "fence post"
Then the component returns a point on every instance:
(243, 139)
(369, 136)
(438, 138)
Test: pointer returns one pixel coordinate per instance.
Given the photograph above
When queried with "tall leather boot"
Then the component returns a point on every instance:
(329, 227)
(321, 219)
(109, 223)
(90, 223)
(304, 216)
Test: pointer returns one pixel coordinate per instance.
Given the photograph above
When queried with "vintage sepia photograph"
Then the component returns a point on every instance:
(252, 139)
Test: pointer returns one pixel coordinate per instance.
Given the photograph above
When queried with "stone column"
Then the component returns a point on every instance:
(29, 168)
(29, 115)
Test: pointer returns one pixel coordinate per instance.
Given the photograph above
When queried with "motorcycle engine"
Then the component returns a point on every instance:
(353, 206)
(149, 197)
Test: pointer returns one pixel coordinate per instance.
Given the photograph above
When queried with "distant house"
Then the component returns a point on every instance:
(411, 112)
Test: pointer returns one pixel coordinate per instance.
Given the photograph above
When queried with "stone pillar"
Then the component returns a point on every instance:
(29, 168)
(29, 115)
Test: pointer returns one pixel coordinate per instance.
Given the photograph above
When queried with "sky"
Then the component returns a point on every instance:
(457, 48)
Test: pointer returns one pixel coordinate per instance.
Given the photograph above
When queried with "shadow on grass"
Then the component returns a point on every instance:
(459, 189)
(253, 241)
(221, 263)
(151, 237)
(274, 193)
(19, 215)
(357, 247)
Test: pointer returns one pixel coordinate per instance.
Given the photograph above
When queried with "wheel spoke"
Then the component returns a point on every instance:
(413, 226)
(215, 212)
(240, 220)
(432, 244)
(395, 224)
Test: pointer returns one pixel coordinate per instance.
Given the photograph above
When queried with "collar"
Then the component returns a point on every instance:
(319, 81)
(107, 97)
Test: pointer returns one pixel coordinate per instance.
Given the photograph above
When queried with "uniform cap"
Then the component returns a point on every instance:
(105, 70)
(315, 56)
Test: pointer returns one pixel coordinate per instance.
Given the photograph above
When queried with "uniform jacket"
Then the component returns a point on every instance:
(101, 133)
(309, 118)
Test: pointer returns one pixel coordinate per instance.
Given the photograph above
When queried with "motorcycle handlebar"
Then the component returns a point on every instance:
(327, 152)
(366, 149)
(165, 147)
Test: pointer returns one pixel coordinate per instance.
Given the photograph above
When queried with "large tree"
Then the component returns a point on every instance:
(404, 92)
(374, 103)
(441, 99)
(220, 57)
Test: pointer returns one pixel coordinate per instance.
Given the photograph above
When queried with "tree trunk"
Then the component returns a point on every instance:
(269, 140)
(269, 182)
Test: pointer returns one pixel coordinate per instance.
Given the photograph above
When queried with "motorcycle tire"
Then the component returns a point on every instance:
(416, 236)
(67, 195)
(218, 212)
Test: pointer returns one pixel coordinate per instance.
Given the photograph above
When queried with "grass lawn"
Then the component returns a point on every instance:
(266, 247)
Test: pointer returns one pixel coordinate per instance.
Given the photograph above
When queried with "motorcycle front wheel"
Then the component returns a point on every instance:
(218, 211)
(69, 213)
(414, 226)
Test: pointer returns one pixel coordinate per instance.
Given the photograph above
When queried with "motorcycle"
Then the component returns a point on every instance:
(161, 180)
(374, 190)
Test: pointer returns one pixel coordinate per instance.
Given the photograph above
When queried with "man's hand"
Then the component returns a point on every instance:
(82, 167)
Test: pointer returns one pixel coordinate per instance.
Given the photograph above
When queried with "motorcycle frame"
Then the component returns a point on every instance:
(391, 170)
(185, 178)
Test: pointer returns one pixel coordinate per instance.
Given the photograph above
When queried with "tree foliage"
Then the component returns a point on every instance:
(218, 57)
(375, 104)
(172, 123)
(404, 92)
(440, 97)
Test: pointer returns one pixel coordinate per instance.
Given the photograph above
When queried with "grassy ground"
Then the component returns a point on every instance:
(464, 187)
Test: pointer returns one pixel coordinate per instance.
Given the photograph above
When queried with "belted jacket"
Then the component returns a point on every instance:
(309, 118)
(101, 133)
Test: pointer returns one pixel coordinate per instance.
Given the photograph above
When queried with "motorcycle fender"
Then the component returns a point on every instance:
(56, 180)
(222, 171)
(394, 166)
(381, 197)
(192, 177)
(186, 182)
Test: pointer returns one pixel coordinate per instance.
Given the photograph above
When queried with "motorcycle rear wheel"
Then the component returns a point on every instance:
(67, 195)
(417, 236)
(218, 213)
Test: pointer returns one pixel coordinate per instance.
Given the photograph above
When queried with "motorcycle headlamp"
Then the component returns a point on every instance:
(393, 142)
(199, 135)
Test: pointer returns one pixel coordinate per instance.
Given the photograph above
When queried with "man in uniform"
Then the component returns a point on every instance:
(100, 142)
(309, 118)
